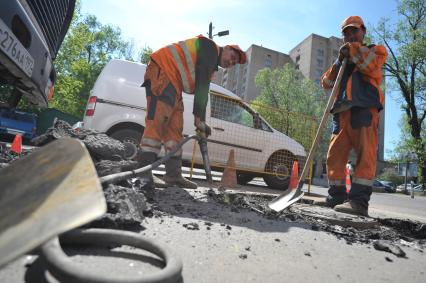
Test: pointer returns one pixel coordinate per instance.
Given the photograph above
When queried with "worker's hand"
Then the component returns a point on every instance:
(202, 127)
(344, 51)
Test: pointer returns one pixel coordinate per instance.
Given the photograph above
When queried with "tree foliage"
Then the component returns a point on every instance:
(86, 49)
(406, 68)
(145, 54)
(297, 103)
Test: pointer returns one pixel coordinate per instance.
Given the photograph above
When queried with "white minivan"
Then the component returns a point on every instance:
(117, 106)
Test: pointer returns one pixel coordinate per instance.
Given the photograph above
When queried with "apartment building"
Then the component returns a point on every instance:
(240, 79)
(314, 55)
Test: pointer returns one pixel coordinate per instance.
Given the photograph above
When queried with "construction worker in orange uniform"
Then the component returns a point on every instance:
(183, 66)
(355, 118)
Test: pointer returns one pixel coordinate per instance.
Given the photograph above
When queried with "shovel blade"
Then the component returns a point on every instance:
(286, 199)
(51, 191)
(280, 203)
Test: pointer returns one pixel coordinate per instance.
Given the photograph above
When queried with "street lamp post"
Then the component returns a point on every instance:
(406, 172)
(221, 33)
(408, 156)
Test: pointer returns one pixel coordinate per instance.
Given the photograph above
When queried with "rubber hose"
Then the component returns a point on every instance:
(109, 179)
(66, 271)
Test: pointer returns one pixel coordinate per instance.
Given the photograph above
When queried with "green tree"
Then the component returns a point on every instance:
(88, 46)
(406, 68)
(300, 102)
(145, 54)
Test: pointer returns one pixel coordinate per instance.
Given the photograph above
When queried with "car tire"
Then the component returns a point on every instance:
(244, 178)
(131, 139)
(282, 165)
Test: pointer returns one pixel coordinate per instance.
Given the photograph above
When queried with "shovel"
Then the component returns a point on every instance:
(291, 196)
(53, 190)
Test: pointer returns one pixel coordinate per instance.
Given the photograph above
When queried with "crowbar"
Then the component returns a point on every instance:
(291, 196)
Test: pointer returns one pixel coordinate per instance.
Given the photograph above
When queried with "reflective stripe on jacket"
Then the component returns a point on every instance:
(178, 61)
(190, 65)
(361, 79)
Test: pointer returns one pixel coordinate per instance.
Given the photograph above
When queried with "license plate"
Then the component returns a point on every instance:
(14, 49)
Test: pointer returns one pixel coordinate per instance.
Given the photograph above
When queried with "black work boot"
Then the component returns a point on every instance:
(336, 195)
(145, 158)
(359, 196)
(174, 176)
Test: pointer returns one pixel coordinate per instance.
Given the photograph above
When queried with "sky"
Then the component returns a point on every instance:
(275, 24)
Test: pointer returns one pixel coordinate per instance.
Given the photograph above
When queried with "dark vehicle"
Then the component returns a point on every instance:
(383, 187)
(31, 32)
(14, 122)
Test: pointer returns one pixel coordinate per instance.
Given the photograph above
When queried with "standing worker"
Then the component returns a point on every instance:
(355, 118)
(184, 66)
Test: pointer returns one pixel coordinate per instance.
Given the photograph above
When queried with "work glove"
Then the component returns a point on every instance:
(202, 128)
(344, 51)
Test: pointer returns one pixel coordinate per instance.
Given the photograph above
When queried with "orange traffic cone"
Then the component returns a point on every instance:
(17, 144)
(229, 176)
(294, 176)
(348, 180)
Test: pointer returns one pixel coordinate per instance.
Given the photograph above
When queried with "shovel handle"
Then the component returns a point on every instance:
(322, 123)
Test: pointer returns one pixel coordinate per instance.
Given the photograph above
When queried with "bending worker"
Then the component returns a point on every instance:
(355, 118)
(184, 66)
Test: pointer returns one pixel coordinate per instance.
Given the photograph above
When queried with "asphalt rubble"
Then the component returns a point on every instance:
(129, 202)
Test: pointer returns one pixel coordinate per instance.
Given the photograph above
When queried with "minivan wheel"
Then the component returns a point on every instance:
(130, 138)
(277, 167)
(127, 135)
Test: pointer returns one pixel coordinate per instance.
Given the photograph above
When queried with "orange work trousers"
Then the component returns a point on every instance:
(356, 128)
(164, 117)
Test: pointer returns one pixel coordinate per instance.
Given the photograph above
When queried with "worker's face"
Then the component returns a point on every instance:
(353, 34)
(229, 57)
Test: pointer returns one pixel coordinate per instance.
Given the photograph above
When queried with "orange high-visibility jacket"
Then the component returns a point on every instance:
(360, 85)
(190, 65)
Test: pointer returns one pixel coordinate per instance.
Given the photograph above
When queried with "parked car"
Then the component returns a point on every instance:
(401, 188)
(31, 32)
(14, 122)
(383, 187)
(117, 106)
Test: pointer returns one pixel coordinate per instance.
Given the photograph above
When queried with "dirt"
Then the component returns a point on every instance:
(129, 202)
(391, 230)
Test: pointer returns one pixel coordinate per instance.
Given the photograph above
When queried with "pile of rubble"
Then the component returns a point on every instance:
(126, 202)
(129, 201)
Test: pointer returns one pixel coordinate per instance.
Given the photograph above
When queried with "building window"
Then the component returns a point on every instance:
(318, 72)
(320, 53)
(297, 58)
(320, 62)
(297, 67)
(268, 61)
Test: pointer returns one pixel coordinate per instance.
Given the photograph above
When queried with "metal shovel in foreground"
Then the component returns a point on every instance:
(291, 196)
(53, 190)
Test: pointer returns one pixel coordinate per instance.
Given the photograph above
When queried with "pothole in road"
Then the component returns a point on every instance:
(129, 202)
